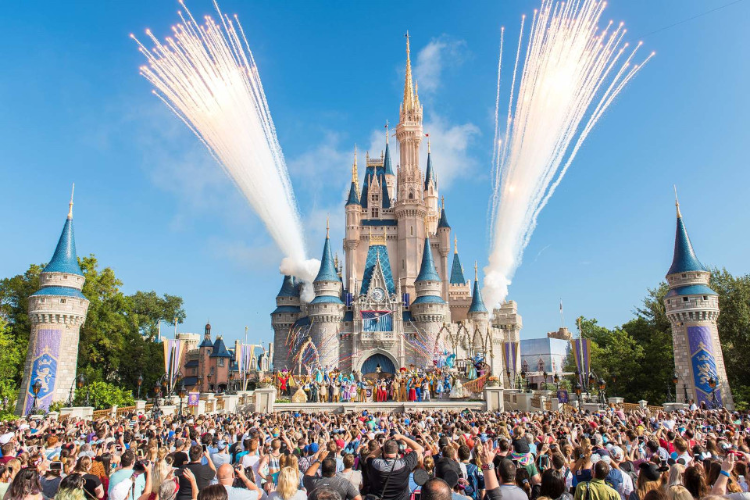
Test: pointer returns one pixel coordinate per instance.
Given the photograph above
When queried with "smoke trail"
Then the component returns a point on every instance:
(207, 76)
(572, 71)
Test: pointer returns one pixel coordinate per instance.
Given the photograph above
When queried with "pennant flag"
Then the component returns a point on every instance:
(173, 350)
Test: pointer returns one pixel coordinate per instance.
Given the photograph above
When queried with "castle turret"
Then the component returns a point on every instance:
(326, 310)
(479, 321)
(459, 288)
(444, 249)
(204, 358)
(429, 310)
(410, 209)
(282, 318)
(431, 194)
(390, 176)
(353, 227)
(693, 310)
(56, 312)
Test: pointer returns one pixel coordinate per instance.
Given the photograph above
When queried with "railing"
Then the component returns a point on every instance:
(654, 409)
(209, 406)
(628, 407)
(476, 385)
(125, 410)
(219, 404)
(536, 402)
(96, 415)
(548, 405)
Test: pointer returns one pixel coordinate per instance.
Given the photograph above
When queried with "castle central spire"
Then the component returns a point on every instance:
(408, 85)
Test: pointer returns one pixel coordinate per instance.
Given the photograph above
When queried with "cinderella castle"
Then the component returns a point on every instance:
(399, 299)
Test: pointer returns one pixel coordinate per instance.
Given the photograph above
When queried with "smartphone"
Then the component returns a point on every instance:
(140, 453)
(204, 447)
(55, 466)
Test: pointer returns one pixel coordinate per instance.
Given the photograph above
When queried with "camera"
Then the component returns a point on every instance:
(140, 466)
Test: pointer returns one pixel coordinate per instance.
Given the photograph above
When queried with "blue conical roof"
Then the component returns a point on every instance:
(288, 288)
(387, 161)
(477, 304)
(386, 196)
(429, 173)
(443, 222)
(427, 271)
(219, 349)
(65, 260)
(353, 196)
(684, 259)
(457, 271)
(327, 270)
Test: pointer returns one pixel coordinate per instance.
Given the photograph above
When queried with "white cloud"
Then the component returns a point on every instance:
(441, 53)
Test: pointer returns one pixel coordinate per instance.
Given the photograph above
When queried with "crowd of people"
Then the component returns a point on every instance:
(429, 455)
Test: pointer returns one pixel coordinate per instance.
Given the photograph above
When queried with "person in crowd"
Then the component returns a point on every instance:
(597, 488)
(288, 486)
(25, 486)
(71, 488)
(351, 475)
(328, 479)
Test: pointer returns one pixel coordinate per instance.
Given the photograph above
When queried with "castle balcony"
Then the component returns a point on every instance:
(381, 340)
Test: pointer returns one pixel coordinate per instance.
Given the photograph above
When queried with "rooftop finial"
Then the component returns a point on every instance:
(677, 202)
(455, 244)
(328, 226)
(70, 205)
(442, 202)
(428, 143)
(386, 131)
(476, 272)
(355, 173)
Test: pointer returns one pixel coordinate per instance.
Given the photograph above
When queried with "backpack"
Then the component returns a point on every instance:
(472, 489)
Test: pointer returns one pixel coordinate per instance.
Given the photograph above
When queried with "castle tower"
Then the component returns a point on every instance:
(56, 312)
(282, 318)
(459, 288)
(410, 209)
(431, 194)
(353, 211)
(693, 309)
(481, 336)
(390, 177)
(326, 310)
(444, 248)
(429, 309)
(204, 358)
(220, 362)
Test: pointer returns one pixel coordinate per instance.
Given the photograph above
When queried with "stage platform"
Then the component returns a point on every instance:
(388, 407)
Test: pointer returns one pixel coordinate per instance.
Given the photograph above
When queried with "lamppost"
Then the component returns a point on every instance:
(139, 382)
(81, 382)
(155, 411)
(544, 384)
(712, 385)
(602, 393)
(684, 386)
(578, 394)
(200, 383)
(181, 393)
(675, 380)
(35, 388)
(510, 382)
(557, 382)
(523, 378)
(592, 380)
(70, 394)
(210, 376)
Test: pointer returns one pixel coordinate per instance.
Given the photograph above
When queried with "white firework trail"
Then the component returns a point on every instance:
(207, 76)
(571, 72)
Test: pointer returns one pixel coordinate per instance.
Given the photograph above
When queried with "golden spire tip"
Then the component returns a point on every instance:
(677, 202)
(70, 205)
(476, 272)
(455, 244)
(328, 226)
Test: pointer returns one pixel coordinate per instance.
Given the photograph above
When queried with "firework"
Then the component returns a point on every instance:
(570, 72)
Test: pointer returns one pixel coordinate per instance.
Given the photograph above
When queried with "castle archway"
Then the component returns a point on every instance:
(386, 362)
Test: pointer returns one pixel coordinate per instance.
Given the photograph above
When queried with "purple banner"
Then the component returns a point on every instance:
(44, 368)
(704, 364)
(172, 358)
(510, 355)
(582, 354)
(193, 398)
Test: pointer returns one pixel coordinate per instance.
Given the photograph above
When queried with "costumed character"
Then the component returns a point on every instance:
(471, 372)
(395, 388)
(447, 387)
(457, 392)
(300, 396)
(426, 390)
(283, 381)
(318, 375)
(418, 388)
(450, 361)
(412, 389)
(353, 391)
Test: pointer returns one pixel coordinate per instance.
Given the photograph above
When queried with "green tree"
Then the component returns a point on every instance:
(103, 395)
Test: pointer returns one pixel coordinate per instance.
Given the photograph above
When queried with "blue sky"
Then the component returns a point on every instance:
(151, 204)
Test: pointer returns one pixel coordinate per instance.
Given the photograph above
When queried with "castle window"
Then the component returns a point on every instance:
(411, 195)
(684, 275)
(221, 361)
(375, 197)
(685, 299)
(62, 301)
(374, 212)
(412, 230)
(65, 276)
(705, 297)
(403, 267)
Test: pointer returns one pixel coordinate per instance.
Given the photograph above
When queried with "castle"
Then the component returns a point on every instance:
(395, 301)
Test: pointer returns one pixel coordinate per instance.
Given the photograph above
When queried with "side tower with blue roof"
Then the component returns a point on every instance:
(693, 310)
(428, 310)
(57, 311)
(287, 312)
(326, 310)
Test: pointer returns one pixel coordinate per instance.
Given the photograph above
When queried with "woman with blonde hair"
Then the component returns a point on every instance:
(678, 492)
(649, 478)
(676, 472)
(288, 486)
(161, 471)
